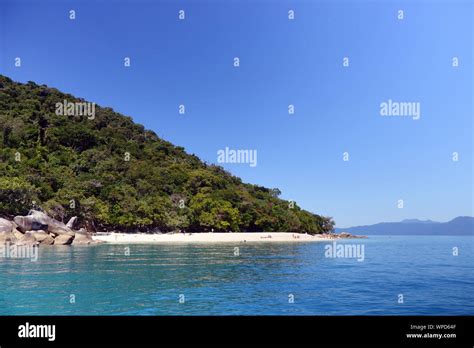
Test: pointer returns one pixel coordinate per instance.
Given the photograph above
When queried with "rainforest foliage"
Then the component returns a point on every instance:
(116, 175)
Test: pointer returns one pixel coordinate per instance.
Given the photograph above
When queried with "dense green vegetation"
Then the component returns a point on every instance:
(74, 166)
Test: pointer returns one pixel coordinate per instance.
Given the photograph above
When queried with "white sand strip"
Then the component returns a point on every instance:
(209, 237)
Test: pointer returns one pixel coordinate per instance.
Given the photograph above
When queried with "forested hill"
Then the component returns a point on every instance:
(115, 175)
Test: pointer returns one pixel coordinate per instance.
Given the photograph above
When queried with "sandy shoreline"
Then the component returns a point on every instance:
(287, 237)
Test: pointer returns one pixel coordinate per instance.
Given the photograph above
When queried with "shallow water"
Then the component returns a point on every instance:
(261, 280)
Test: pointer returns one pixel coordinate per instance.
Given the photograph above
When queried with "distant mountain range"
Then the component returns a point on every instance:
(460, 226)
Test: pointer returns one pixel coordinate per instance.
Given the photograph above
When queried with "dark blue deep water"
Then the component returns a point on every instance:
(260, 281)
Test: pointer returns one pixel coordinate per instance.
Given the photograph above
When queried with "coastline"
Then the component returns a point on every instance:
(208, 237)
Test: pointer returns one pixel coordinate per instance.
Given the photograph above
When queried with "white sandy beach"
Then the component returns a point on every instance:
(209, 237)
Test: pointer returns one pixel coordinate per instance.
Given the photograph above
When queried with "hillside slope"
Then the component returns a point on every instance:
(115, 175)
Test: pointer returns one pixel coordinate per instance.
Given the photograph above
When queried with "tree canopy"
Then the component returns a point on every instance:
(116, 175)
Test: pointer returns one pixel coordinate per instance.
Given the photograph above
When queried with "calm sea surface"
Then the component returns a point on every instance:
(263, 279)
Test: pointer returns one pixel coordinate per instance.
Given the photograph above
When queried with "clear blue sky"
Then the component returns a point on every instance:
(282, 62)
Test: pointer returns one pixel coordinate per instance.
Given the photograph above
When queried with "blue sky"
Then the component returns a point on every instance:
(282, 62)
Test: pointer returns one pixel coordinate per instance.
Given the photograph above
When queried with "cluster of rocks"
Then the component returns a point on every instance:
(342, 235)
(38, 228)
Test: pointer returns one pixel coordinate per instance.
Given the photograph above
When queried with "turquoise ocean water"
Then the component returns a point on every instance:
(264, 279)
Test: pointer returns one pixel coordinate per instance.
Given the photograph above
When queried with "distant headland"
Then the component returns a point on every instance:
(459, 226)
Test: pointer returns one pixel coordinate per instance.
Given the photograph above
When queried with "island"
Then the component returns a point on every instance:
(113, 175)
